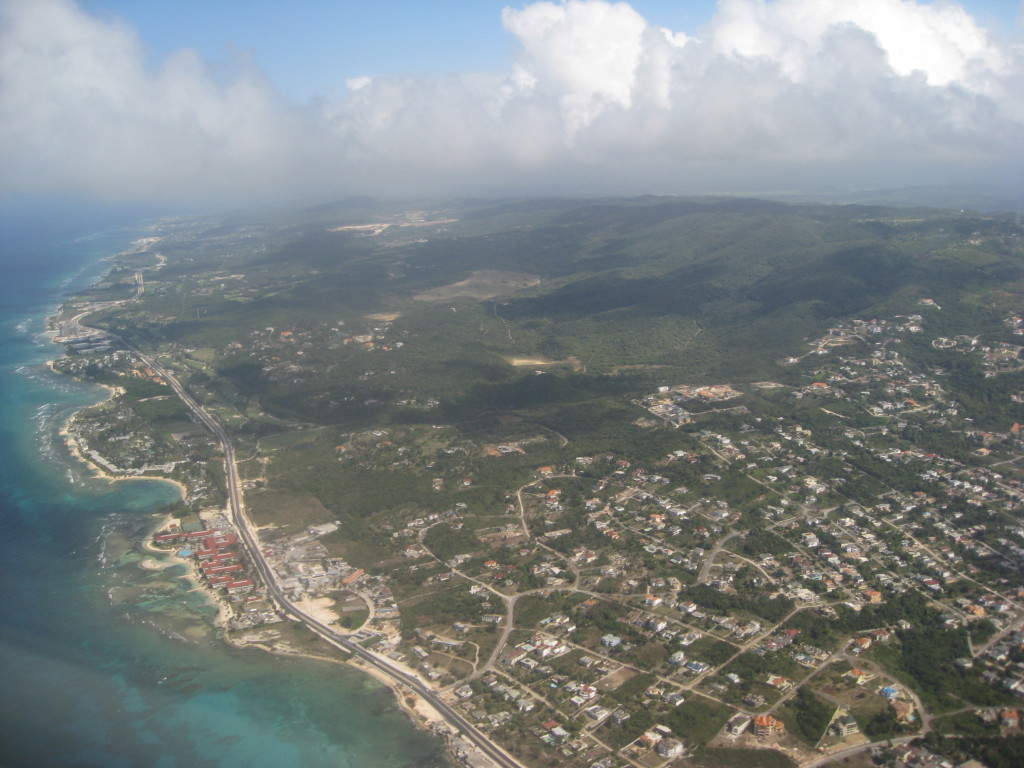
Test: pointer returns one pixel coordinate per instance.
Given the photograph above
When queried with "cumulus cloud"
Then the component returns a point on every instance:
(79, 110)
(769, 94)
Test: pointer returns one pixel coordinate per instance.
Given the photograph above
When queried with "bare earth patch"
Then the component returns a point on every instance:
(482, 284)
(320, 608)
(529, 361)
(538, 362)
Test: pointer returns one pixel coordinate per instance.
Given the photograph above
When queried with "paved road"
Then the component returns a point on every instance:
(705, 572)
(851, 751)
(245, 531)
(238, 517)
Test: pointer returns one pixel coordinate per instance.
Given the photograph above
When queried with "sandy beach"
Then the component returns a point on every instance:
(420, 712)
(149, 564)
(98, 472)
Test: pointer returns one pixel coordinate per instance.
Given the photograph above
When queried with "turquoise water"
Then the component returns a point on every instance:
(102, 663)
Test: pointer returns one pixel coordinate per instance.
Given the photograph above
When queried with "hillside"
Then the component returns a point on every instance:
(727, 474)
(649, 289)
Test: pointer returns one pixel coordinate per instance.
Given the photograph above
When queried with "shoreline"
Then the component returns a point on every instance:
(96, 472)
(418, 712)
(224, 612)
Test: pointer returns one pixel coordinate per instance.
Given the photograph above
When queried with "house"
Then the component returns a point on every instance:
(669, 748)
(859, 676)
(766, 725)
(611, 641)
(754, 700)
(845, 725)
(513, 656)
(737, 725)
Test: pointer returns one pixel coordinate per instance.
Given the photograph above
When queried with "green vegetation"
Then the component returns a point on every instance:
(698, 719)
(924, 658)
(807, 716)
(445, 541)
(800, 418)
(726, 757)
(1005, 752)
(773, 610)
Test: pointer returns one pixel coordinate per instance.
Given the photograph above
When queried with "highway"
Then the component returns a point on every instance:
(237, 510)
(245, 531)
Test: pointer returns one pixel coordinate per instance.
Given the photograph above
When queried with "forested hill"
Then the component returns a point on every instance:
(603, 296)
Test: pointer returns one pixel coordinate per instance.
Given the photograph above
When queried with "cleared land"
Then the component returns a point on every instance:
(482, 284)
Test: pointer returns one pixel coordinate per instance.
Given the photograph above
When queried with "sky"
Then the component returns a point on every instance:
(259, 100)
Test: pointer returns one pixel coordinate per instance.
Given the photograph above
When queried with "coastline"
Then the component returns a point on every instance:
(419, 713)
(221, 622)
(96, 471)
(224, 612)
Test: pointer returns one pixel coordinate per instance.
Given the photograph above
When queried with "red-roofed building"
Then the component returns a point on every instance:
(223, 569)
(766, 725)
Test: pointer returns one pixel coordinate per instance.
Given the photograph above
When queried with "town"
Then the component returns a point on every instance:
(578, 547)
(810, 587)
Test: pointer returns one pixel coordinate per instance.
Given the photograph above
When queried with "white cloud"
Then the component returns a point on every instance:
(79, 110)
(770, 94)
(585, 53)
(941, 41)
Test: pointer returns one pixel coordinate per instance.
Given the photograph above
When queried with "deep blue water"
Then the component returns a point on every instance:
(103, 664)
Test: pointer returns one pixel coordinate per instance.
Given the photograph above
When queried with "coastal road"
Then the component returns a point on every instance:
(236, 503)
(237, 508)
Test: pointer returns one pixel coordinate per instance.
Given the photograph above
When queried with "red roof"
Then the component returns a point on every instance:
(224, 568)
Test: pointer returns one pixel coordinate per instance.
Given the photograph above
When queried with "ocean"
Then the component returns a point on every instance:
(104, 664)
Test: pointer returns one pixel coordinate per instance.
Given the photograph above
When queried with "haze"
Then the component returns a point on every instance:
(761, 97)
